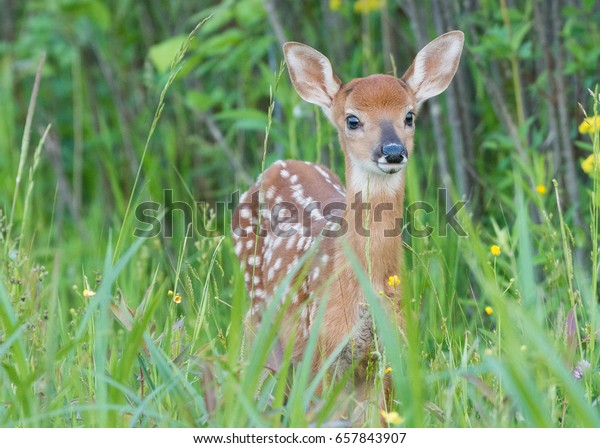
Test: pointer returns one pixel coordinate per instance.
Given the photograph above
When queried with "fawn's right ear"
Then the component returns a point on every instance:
(312, 75)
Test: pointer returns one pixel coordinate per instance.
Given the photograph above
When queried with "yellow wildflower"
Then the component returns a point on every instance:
(177, 299)
(391, 418)
(541, 189)
(488, 352)
(88, 293)
(170, 293)
(495, 250)
(335, 5)
(388, 370)
(393, 280)
(590, 125)
(589, 163)
(489, 310)
(367, 6)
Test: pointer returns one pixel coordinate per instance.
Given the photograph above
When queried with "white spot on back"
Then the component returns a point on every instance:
(268, 256)
(316, 214)
(321, 171)
(290, 242)
(254, 260)
(308, 243)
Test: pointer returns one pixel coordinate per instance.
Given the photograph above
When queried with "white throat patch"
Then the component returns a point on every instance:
(366, 176)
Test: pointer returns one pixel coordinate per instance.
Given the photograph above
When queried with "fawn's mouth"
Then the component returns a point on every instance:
(390, 168)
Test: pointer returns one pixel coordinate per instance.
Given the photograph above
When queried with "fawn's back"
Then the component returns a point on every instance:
(298, 201)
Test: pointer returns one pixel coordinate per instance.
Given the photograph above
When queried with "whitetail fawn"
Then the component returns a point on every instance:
(375, 118)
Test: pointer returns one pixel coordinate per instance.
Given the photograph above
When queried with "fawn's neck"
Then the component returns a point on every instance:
(374, 211)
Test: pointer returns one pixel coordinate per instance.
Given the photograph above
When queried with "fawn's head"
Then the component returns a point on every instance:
(375, 116)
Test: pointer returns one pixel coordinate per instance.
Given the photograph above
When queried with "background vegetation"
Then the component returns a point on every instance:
(91, 336)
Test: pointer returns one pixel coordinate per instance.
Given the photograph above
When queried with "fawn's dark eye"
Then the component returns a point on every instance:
(409, 118)
(352, 122)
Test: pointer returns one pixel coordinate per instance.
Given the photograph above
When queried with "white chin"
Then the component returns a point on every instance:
(391, 168)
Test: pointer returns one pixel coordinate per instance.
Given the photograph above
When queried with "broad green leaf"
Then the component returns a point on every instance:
(161, 55)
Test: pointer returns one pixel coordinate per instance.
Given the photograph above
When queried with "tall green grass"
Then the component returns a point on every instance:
(127, 355)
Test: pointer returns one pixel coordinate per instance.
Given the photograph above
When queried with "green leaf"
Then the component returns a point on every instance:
(161, 55)
(250, 119)
(519, 35)
(525, 263)
(203, 101)
(222, 43)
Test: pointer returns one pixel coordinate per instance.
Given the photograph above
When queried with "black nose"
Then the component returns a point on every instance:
(394, 153)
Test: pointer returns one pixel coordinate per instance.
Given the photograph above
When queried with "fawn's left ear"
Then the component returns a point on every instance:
(312, 75)
(435, 66)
